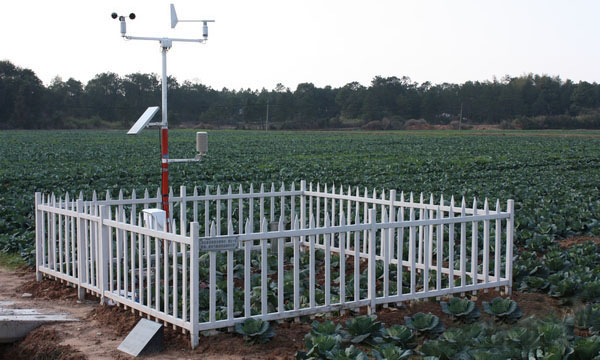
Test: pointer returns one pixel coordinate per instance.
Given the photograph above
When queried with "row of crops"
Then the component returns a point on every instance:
(554, 180)
(503, 336)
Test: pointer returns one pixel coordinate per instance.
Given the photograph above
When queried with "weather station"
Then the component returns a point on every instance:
(159, 219)
(240, 257)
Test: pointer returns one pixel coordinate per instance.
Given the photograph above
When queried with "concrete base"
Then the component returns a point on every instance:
(15, 324)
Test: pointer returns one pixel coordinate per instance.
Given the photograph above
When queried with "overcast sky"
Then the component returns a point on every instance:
(256, 44)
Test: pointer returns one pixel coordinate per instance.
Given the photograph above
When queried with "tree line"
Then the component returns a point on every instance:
(112, 101)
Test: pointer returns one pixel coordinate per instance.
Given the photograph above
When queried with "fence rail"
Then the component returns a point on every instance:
(300, 252)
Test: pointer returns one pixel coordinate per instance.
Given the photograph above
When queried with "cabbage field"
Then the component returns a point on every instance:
(553, 177)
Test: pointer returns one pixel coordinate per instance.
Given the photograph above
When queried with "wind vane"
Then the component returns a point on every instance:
(144, 120)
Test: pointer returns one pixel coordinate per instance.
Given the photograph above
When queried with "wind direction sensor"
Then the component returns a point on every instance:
(144, 120)
(175, 20)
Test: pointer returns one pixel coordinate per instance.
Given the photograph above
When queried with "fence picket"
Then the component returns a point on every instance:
(251, 208)
(486, 246)
(421, 238)
(510, 208)
(247, 265)
(67, 238)
(272, 207)
(474, 247)
(183, 209)
(428, 230)
(451, 246)
(431, 230)
(412, 251)
(332, 218)
(133, 245)
(463, 247)
(342, 262)
(497, 245)
(194, 284)
(207, 212)
(140, 253)
(327, 239)
(310, 201)
(262, 202)
(325, 206)
(148, 272)
(230, 254)
(240, 211)
(218, 206)
(318, 214)
(293, 204)
(212, 281)
(365, 220)
(400, 249)
(311, 264)
(385, 252)
(280, 269)
(392, 218)
(195, 205)
(440, 248)
(175, 270)
(356, 276)
(82, 258)
(296, 267)
(372, 281)
(264, 269)
(52, 228)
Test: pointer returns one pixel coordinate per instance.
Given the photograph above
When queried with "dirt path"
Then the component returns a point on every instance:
(103, 328)
(88, 337)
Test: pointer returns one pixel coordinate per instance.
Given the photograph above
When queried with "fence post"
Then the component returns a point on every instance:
(81, 253)
(510, 207)
(194, 283)
(372, 281)
(38, 237)
(103, 237)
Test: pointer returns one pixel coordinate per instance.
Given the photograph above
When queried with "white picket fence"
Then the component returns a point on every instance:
(301, 252)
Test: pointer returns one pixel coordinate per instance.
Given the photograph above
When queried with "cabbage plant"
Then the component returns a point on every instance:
(463, 310)
(390, 352)
(349, 353)
(320, 347)
(327, 327)
(399, 335)
(255, 330)
(586, 348)
(505, 310)
(426, 324)
(364, 329)
(588, 319)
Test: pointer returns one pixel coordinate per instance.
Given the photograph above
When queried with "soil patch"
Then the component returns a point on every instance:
(42, 343)
(289, 338)
(48, 290)
(122, 321)
(566, 243)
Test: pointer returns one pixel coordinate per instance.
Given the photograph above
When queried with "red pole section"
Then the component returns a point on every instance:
(165, 169)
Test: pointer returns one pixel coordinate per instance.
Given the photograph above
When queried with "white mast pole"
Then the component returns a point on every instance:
(164, 87)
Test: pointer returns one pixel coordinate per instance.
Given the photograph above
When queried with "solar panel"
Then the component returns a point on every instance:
(141, 123)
